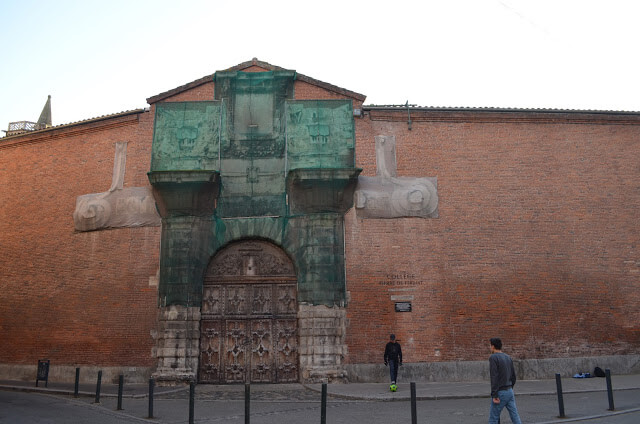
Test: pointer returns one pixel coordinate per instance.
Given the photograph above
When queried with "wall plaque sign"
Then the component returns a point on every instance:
(403, 306)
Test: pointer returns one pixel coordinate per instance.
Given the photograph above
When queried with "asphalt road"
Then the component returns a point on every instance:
(27, 408)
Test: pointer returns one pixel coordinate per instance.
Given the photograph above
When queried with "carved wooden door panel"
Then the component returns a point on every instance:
(249, 330)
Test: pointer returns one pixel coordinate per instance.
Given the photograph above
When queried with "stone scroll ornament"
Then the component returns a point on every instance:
(388, 196)
(119, 207)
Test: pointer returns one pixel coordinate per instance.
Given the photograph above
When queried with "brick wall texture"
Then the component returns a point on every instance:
(537, 239)
(72, 297)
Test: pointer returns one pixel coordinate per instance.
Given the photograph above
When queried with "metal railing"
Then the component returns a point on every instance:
(23, 126)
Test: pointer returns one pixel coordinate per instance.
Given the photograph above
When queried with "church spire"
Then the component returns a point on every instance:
(45, 117)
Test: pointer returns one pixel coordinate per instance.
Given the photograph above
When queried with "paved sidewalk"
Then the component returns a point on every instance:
(351, 391)
(353, 403)
(467, 390)
(84, 390)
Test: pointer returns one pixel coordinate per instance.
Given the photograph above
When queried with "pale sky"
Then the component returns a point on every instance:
(102, 57)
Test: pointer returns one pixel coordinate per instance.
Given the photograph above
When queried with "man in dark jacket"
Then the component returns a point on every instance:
(503, 378)
(393, 357)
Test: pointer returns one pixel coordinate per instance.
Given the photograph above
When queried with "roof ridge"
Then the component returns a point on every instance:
(496, 109)
(262, 64)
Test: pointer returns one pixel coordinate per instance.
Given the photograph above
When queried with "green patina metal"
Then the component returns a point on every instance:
(253, 145)
(320, 134)
(253, 164)
(186, 136)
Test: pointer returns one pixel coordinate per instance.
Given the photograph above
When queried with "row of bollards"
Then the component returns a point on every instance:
(247, 397)
(561, 398)
(76, 387)
(323, 401)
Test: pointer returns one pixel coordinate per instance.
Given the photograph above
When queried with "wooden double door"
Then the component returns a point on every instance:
(248, 329)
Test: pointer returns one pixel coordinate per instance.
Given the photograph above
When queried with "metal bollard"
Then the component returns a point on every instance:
(120, 387)
(151, 384)
(98, 384)
(607, 374)
(414, 412)
(323, 404)
(247, 403)
(77, 385)
(560, 399)
(192, 400)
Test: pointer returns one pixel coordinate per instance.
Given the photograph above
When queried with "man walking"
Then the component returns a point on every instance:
(503, 378)
(393, 357)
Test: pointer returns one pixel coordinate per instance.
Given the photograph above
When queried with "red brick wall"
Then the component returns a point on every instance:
(203, 92)
(537, 240)
(74, 298)
(305, 91)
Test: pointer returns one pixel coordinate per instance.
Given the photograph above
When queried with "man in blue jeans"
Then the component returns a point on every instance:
(393, 357)
(503, 378)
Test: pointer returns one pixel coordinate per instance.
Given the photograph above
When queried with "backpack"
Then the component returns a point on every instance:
(598, 372)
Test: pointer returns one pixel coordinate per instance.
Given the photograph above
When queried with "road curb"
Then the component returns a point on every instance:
(85, 393)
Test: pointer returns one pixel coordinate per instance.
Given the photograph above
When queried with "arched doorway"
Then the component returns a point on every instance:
(249, 330)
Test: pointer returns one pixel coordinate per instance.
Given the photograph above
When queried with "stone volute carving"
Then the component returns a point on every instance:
(388, 196)
(117, 207)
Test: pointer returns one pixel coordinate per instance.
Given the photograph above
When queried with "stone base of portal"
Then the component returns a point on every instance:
(322, 346)
(177, 345)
